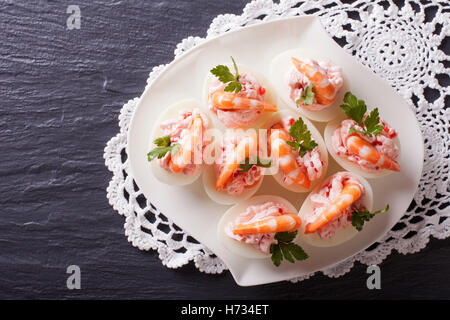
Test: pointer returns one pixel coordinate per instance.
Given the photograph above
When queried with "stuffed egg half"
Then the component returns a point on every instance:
(257, 246)
(314, 163)
(292, 85)
(340, 229)
(175, 122)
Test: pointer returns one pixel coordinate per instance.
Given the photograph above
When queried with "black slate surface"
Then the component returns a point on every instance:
(61, 91)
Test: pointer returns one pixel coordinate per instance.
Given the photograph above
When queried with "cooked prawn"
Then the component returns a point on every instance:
(325, 92)
(350, 193)
(368, 152)
(246, 148)
(231, 101)
(283, 153)
(191, 142)
(286, 222)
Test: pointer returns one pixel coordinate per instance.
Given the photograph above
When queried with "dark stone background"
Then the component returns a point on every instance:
(61, 92)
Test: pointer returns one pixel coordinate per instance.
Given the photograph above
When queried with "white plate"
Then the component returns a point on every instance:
(255, 46)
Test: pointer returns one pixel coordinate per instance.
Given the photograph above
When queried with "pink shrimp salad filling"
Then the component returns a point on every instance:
(383, 142)
(327, 194)
(241, 118)
(240, 180)
(177, 128)
(311, 162)
(298, 82)
(263, 241)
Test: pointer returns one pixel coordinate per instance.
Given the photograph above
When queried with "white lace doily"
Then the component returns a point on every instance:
(402, 45)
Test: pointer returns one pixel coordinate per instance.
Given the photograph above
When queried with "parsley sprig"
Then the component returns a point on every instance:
(286, 249)
(246, 165)
(224, 74)
(359, 217)
(308, 96)
(356, 109)
(303, 142)
(164, 145)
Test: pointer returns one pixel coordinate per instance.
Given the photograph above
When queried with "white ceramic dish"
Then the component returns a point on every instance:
(198, 215)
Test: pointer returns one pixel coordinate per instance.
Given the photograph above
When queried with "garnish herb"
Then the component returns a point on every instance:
(224, 75)
(163, 141)
(308, 96)
(246, 165)
(164, 145)
(356, 109)
(303, 142)
(286, 249)
(361, 216)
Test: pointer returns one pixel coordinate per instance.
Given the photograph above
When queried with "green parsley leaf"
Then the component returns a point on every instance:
(372, 123)
(163, 141)
(246, 165)
(158, 152)
(308, 96)
(285, 236)
(297, 251)
(164, 145)
(299, 131)
(286, 249)
(224, 75)
(236, 72)
(294, 144)
(353, 130)
(277, 255)
(286, 252)
(359, 217)
(233, 86)
(354, 108)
